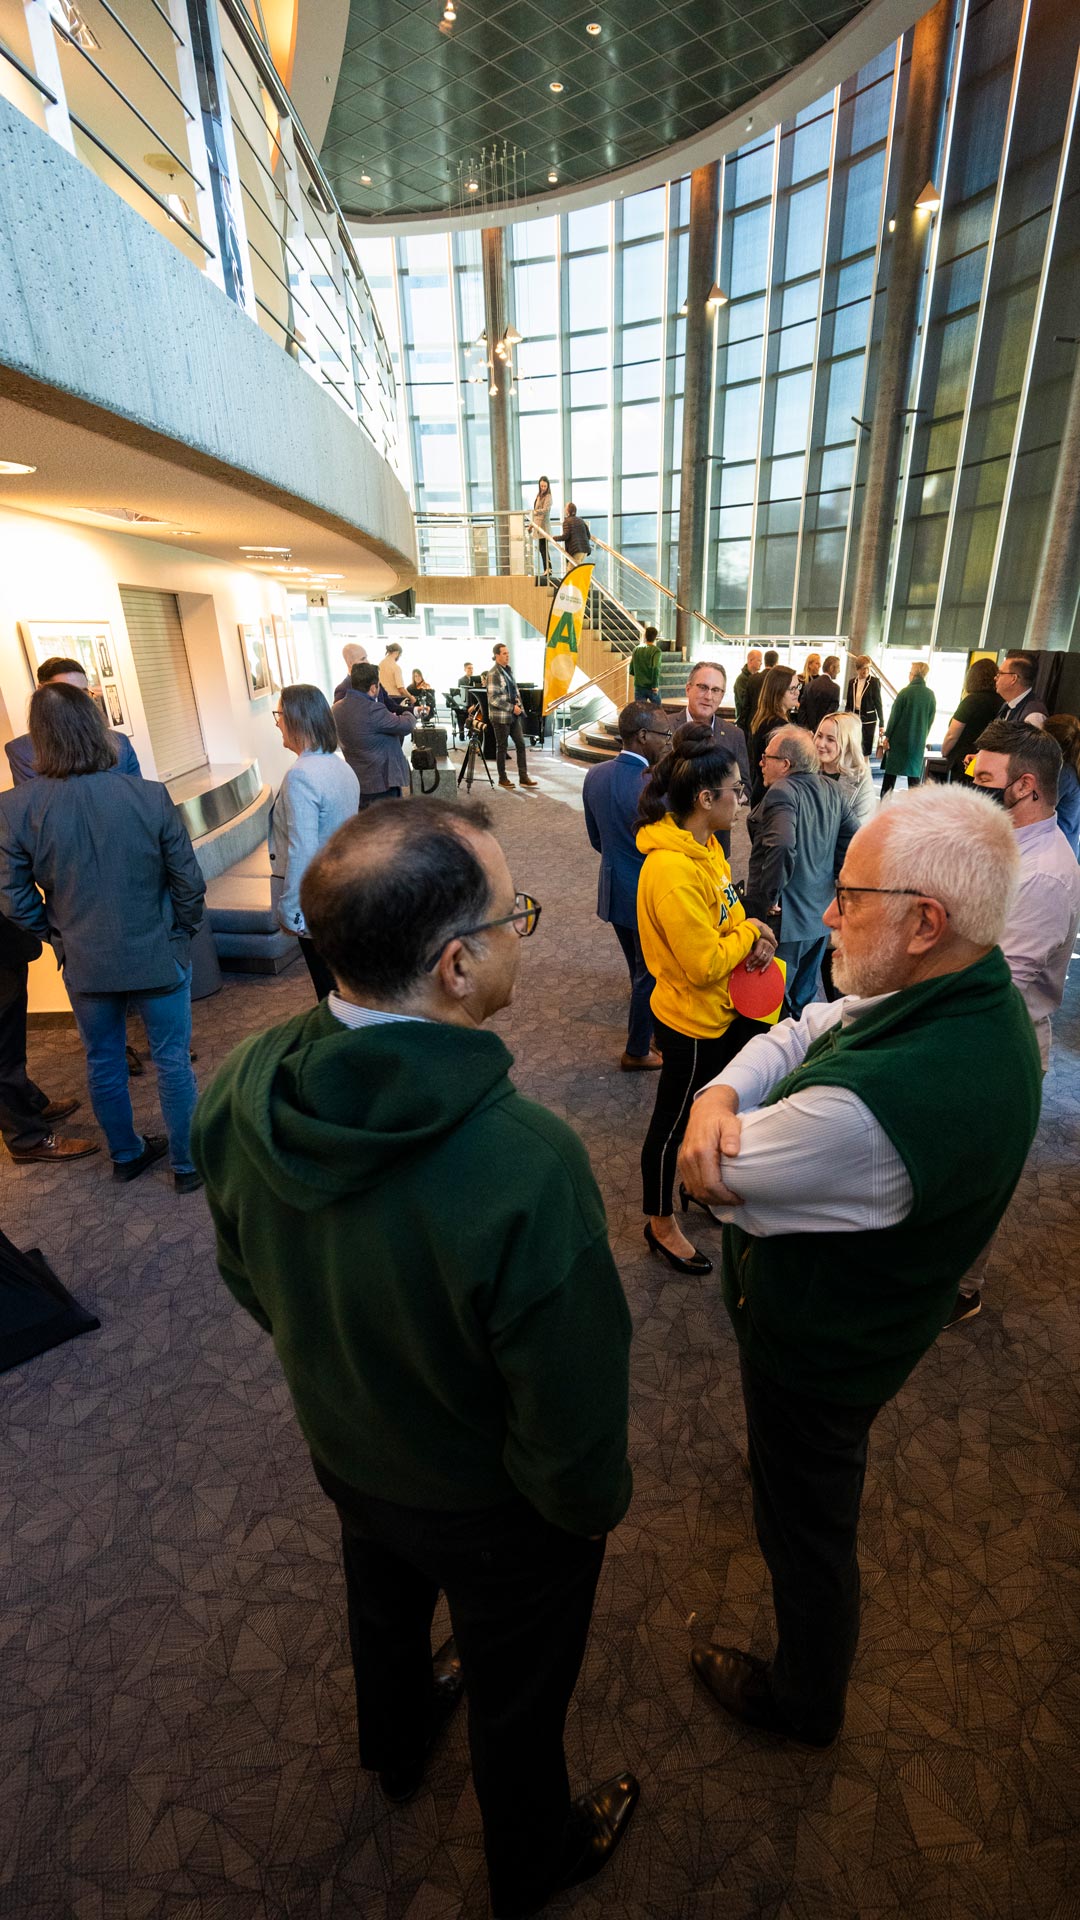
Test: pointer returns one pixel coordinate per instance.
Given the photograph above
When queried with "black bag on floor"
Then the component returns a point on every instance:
(432, 737)
(36, 1310)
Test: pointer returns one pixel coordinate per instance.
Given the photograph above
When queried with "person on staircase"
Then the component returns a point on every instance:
(645, 668)
(541, 526)
(577, 539)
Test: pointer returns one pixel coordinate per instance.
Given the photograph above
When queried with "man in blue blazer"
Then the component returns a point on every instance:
(371, 737)
(20, 753)
(610, 797)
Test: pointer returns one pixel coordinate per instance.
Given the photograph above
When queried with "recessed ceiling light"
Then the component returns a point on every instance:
(15, 466)
(287, 551)
(593, 27)
(555, 85)
(474, 186)
(553, 178)
(365, 179)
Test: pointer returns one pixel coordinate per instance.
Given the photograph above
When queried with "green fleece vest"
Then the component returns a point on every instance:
(950, 1070)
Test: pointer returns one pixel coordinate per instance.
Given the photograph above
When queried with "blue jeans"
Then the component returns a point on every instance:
(804, 958)
(651, 694)
(166, 1014)
(639, 1026)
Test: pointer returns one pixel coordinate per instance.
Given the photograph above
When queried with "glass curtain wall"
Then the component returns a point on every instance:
(803, 262)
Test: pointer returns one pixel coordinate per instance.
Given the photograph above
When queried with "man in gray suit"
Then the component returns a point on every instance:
(800, 831)
(371, 737)
(20, 751)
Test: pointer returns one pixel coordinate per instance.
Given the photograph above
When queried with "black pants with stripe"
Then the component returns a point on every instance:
(688, 1066)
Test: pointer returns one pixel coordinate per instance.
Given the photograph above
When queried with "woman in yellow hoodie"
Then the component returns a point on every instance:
(694, 931)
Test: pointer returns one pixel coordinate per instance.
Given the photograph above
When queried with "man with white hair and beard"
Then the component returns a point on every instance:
(839, 1152)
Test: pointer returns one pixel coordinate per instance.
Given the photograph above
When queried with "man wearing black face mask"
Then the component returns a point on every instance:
(1019, 767)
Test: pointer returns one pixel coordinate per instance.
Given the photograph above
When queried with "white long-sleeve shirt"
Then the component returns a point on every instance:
(1040, 932)
(817, 1161)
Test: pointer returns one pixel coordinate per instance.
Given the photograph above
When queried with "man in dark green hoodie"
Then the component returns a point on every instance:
(464, 1395)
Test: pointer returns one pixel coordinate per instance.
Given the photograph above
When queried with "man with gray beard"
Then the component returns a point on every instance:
(849, 1221)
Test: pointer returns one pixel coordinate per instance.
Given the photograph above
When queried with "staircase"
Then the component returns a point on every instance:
(598, 739)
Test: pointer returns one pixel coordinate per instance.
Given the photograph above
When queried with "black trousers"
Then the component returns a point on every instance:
(889, 780)
(688, 1065)
(807, 1467)
(510, 730)
(321, 977)
(520, 1593)
(639, 1025)
(384, 793)
(21, 1101)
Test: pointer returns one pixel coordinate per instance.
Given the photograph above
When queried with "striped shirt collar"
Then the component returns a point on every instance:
(352, 1016)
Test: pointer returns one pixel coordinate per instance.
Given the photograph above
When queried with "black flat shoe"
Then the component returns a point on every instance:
(402, 1783)
(739, 1682)
(699, 1264)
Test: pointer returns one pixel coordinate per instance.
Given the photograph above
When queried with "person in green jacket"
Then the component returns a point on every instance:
(645, 668)
(839, 1152)
(463, 1395)
(903, 747)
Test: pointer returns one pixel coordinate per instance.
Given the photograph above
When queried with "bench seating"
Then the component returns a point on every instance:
(235, 862)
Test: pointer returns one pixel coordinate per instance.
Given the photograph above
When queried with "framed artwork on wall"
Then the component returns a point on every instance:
(286, 653)
(90, 642)
(256, 659)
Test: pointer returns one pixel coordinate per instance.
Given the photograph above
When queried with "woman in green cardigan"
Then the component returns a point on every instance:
(904, 745)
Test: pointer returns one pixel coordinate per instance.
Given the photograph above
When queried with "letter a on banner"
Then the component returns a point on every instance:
(564, 632)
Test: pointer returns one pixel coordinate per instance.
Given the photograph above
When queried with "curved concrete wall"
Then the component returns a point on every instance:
(105, 323)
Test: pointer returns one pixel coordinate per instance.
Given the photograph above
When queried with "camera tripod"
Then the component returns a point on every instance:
(473, 752)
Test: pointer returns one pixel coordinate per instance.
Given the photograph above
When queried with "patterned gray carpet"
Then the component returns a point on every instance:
(176, 1719)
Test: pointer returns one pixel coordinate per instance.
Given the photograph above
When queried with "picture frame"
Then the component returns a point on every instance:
(91, 643)
(283, 646)
(256, 656)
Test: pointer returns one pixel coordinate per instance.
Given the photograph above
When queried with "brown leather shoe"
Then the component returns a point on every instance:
(641, 1062)
(509, 785)
(528, 783)
(53, 1149)
(59, 1109)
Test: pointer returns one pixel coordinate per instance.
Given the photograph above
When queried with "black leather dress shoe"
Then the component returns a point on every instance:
(740, 1683)
(598, 1821)
(400, 1784)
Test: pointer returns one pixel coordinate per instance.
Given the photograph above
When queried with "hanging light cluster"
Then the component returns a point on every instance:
(493, 181)
(487, 367)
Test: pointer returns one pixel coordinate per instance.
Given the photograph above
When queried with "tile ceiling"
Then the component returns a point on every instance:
(414, 106)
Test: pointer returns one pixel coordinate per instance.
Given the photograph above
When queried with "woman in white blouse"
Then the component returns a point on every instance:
(839, 748)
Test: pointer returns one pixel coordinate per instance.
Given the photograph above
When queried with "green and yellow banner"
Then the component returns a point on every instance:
(564, 632)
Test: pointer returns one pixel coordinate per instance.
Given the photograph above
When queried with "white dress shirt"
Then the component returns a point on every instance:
(1040, 932)
(818, 1161)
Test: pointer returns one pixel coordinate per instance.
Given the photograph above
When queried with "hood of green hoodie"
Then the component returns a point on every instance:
(666, 836)
(326, 1110)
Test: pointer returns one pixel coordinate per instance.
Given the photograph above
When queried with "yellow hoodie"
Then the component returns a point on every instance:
(693, 929)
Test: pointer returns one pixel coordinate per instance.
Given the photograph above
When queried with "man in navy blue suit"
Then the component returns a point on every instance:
(610, 796)
(20, 753)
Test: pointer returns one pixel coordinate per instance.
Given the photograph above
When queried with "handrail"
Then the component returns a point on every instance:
(576, 692)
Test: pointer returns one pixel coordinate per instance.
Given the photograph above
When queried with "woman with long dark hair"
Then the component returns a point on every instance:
(981, 704)
(694, 932)
(315, 798)
(123, 896)
(777, 701)
(541, 518)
